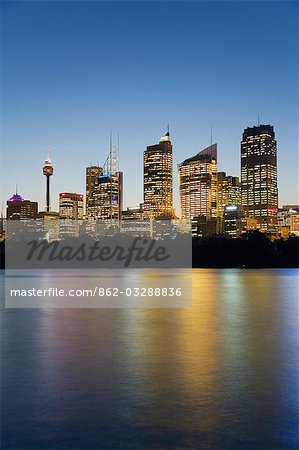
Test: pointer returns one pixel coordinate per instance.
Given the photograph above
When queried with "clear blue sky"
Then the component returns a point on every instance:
(73, 71)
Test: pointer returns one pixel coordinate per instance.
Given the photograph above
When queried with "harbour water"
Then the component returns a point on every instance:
(220, 375)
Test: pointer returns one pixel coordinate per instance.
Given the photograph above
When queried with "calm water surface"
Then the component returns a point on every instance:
(221, 375)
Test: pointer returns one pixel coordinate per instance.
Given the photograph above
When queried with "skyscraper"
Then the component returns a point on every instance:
(71, 206)
(158, 179)
(198, 184)
(48, 172)
(104, 187)
(259, 175)
(19, 209)
(233, 223)
(92, 176)
(107, 197)
(228, 191)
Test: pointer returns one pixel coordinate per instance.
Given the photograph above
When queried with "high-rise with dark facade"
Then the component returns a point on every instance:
(19, 209)
(158, 179)
(259, 194)
(104, 188)
(233, 223)
(106, 200)
(92, 177)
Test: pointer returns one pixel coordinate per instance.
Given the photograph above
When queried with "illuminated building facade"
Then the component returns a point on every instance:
(71, 206)
(52, 215)
(19, 209)
(294, 225)
(250, 223)
(92, 176)
(158, 179)
(233, 223)
(259, 175)
(198, 185)
(134, 213)
(287, 220)
(228, 192)
(107, 197)
(284, 215)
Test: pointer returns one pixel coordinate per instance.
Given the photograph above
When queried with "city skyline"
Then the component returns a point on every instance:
(149, 224)
(99, 170)
(212, 201)
(70, 89)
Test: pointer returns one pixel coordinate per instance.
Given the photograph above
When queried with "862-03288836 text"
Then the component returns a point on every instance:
(99, 291)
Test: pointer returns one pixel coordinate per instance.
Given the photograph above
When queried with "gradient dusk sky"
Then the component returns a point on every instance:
(73, 71)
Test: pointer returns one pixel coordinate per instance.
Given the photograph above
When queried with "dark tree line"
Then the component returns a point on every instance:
(253, 249)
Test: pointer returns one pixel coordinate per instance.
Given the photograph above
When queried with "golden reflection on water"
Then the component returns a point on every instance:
(174, 354)
(224, 367)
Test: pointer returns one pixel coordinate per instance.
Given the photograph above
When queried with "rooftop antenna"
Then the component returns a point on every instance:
(168, 128)
(110, 174)
(110, 153)
(211, 134)
(117, 153)
(258, 120)
(16, 188)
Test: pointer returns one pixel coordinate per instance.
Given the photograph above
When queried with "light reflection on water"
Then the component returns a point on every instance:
(120, 287)
(220, 375)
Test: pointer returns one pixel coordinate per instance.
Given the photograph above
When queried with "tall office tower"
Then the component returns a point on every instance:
(233, 223)
(259, 175)
(19, 209)
(107, 197)
(48, 172)
(228, 191)
(104, 187)
(71, 206)
(198, 184)
(92, 176)
(157, 179)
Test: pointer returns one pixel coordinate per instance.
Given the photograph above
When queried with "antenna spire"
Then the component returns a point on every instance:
(16, 188)
(110, 153)
(258, 120)
(211, 134)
